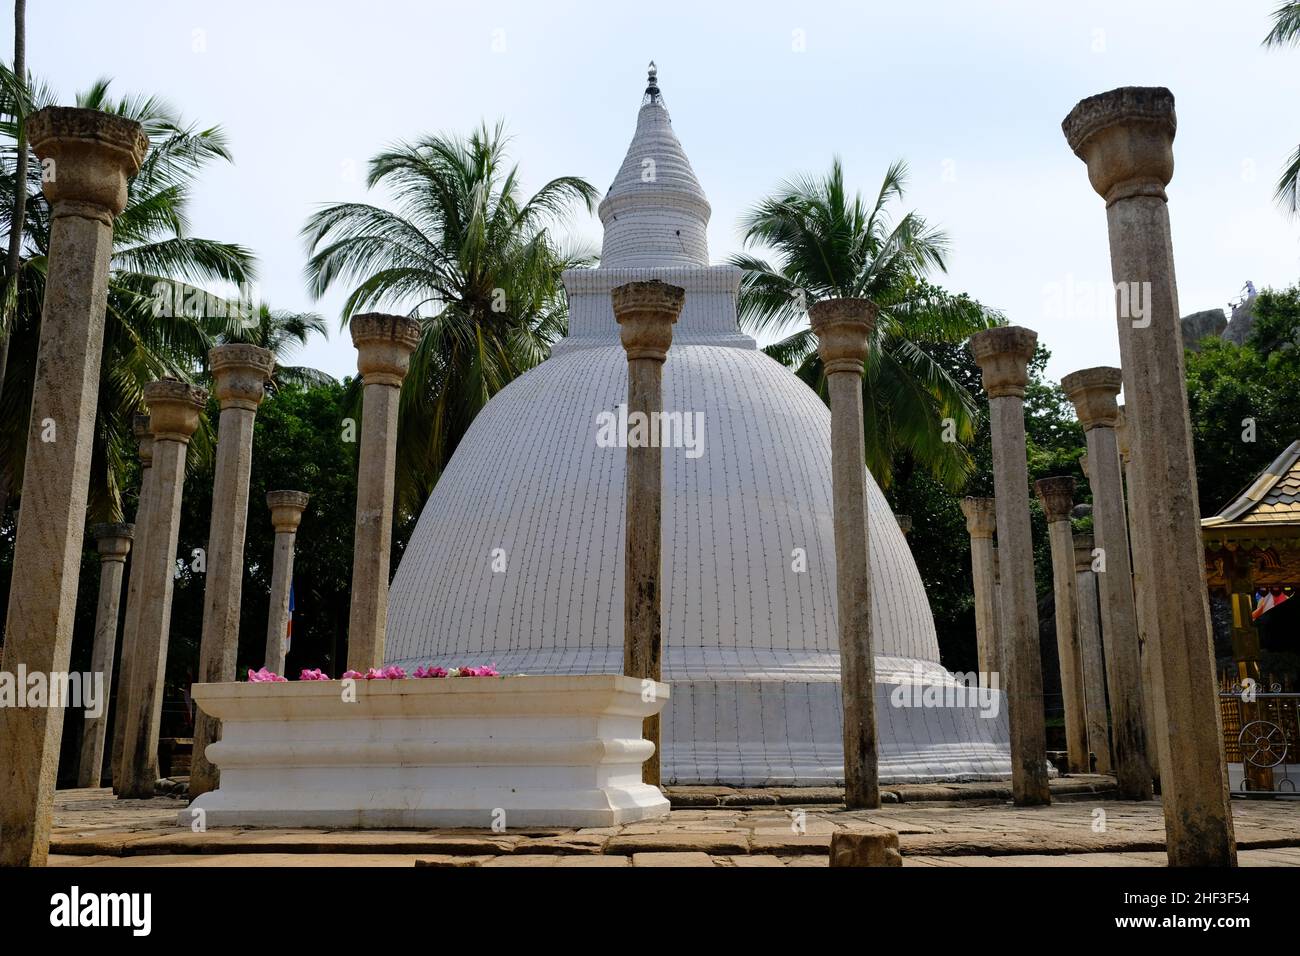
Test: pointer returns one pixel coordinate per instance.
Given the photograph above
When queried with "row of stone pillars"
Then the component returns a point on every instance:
(1125, 137)
(1078, 628)
(91, 155)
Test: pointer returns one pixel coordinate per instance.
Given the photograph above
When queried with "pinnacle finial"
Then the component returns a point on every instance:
(652, 81)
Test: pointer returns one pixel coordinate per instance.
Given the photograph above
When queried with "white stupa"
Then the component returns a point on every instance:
(518, 556)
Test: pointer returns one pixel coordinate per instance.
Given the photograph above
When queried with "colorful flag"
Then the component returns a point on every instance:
(1262, 606)
(288, 636)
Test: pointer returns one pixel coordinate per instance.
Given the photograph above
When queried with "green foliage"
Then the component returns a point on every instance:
(939, 540)
(468, 255)
(151, 245)
(1230, 386)
(832, 244)
(1286, 32)
(297, 445)
(1276, 316)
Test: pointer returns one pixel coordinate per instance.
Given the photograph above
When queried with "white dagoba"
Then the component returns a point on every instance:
(518, 556)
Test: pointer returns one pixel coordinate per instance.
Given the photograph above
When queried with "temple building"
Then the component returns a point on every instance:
(518, 556)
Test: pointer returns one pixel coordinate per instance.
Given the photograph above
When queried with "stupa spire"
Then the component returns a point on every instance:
(655, 213)
(651, 85)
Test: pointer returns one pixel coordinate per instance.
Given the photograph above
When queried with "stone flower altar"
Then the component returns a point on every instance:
(384, 750)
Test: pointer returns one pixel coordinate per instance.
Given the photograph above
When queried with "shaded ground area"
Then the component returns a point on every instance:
(951, 825)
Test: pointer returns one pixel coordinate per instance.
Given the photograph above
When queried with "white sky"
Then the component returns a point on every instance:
(970, 94)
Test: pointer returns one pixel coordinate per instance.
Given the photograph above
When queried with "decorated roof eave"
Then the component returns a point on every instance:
(1236, 535)
(1236, 511)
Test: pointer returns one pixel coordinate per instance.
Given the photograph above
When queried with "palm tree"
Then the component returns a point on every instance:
(1286, 31)
(17, 96)
(476, 263)
(152, 249)
(833, 245)
(281, 332)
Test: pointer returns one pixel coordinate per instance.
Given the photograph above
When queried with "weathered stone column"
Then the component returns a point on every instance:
(843, 328)
(1093, 392)
(1057, 497)
(1003, 355)
(997, 615)
(87, 158)
(1151, 707)
(1126, 138)
(1090, 648)
(646, 313)
(144, 439)
(981, 523)
(384, 345)
(174, 409)
(239, 377)
(286, 514)
(114, 542)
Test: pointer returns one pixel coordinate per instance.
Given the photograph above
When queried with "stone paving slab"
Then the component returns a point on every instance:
(1252, 858)
(1086, 784)
(91, 826)
(672, 859)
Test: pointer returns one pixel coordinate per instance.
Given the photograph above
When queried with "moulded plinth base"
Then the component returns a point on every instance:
(449, 752)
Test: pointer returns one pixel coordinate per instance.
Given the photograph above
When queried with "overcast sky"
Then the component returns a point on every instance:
(971, 95)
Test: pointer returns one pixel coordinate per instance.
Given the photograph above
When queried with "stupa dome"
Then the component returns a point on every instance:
(518, 556)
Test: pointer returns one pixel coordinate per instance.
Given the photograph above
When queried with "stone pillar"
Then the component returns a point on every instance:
(1057, 497)
(1126, 138)
(174, 409)
(1090, 649)
(384, 345)
(144, 439)
(87, 157)
(286, 513)
(646, 313)
(1003, 355)
(843, 328)
(239, 377)
(1141, 598)
(981, 523)
(1093, 392)
(114, 542)
(997, 614)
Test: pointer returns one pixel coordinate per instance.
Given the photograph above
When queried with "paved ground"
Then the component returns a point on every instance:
(958, 825)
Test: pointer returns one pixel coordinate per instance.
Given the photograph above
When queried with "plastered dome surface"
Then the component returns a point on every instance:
(518, 556)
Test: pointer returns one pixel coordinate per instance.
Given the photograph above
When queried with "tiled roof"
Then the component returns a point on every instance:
(1272, 499)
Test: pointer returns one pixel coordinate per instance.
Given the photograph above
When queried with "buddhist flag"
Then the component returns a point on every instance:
(288, 632)
(1263, 606)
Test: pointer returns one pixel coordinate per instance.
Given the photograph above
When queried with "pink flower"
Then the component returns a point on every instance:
(393, 672)
(314, 674)
(487, 670)
(264, 676)
(353, 675)
(430, 671)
